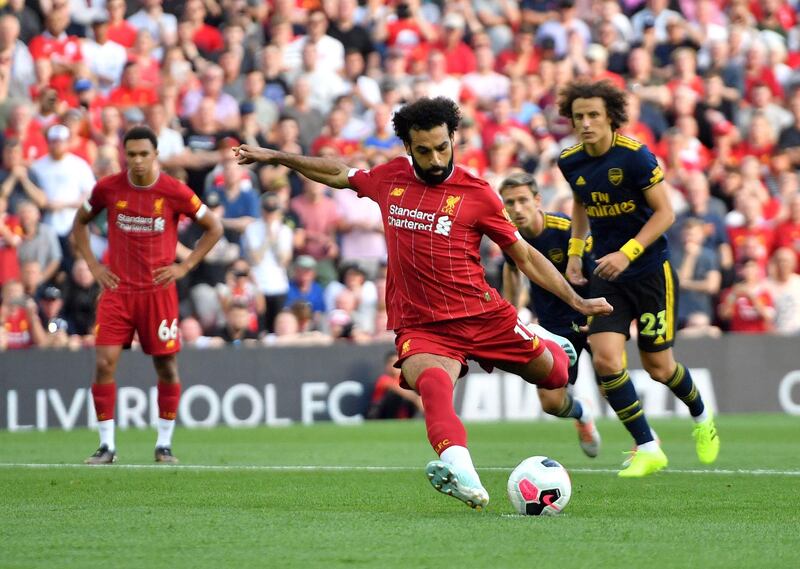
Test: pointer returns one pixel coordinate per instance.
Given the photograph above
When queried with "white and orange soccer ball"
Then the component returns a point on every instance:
(539, 486)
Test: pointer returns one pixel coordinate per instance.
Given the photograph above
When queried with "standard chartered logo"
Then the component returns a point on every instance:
(443, 225)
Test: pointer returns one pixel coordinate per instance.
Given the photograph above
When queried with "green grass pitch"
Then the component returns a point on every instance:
(330, 496)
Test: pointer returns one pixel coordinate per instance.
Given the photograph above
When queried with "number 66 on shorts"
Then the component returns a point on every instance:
(152, 315)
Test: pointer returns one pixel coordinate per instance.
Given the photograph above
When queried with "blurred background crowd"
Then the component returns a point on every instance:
(714, 91)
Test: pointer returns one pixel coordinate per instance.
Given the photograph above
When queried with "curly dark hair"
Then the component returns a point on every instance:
(425, 114)
(613, 97)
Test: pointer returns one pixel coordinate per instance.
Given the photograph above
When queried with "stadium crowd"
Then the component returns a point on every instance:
(714, 91)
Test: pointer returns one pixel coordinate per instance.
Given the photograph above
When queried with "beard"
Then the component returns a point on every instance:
(430, 178)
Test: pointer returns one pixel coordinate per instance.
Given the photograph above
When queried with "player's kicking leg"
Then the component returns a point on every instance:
(453, 473)
(104, 394)
(169, 392)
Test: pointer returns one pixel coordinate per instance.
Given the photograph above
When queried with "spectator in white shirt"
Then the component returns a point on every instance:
(105, 58)
(784, 284)
(19, 61)
(331, 50)
(170, 141)
(66, 181)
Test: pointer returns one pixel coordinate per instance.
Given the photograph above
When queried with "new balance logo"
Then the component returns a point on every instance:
(580, 181)
(443, 226)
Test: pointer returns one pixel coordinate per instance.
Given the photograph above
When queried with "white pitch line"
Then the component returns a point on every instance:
(330, 468)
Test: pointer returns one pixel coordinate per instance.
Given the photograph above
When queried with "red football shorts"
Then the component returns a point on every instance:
(153, 314)
(488, 338)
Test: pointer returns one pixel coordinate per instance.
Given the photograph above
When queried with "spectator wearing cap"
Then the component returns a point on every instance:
(51, 305)
(15, 59)
(105, 58)
(62, 50)
(485, 82)
(17, 182)
(90, 102)
(459, 57)
(597, 66)
(163, 26)
(66, 181)
(132, 91)
(268, 244)
(304, 288)
(330, 51)
(226, 109)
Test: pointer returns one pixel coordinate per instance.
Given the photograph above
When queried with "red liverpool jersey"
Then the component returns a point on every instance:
(142, 225)
(433, 236)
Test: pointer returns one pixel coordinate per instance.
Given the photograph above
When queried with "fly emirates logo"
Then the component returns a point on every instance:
(418, 220)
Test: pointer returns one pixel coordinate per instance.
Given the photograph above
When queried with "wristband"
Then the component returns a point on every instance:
(632, 249)
(576, 247)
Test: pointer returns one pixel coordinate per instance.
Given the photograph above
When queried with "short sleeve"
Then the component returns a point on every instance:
(97, 199)
(187, 202)
(646, 171)
(363, 182)
(494, 221)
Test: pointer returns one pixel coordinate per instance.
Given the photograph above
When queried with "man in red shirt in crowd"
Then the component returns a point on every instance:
(439, 304)
(64, 51)
(139, 296)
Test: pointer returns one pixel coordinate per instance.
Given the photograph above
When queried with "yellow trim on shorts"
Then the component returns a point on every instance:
(670, 290)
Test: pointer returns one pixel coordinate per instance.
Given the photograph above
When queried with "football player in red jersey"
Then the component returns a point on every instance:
(439, 305)
(139, 294)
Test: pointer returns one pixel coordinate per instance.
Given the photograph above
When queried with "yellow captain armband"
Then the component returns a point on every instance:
(632, 249)
(576, 247)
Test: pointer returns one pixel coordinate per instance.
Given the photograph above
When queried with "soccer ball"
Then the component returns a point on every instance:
(539, 486)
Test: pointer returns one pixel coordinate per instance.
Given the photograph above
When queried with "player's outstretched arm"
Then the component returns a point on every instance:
(80, 240)
(330, 172)
(538, 269)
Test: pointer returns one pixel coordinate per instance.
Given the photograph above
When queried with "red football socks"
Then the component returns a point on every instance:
(168, 396)
(444, 427)
(105, 398)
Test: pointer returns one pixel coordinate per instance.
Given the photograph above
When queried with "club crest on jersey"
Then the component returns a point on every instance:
(121, 204)
(158, 206)
(450, 204)
(397, 192)
(615, 176)
(556, 255)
